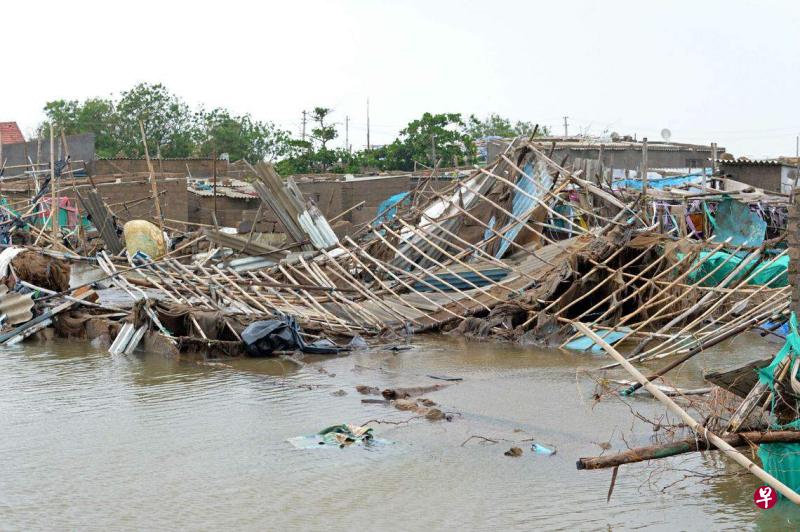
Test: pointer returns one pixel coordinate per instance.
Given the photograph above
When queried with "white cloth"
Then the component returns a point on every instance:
(6, 256)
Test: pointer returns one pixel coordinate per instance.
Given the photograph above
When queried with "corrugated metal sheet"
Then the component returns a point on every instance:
(460, 280)
(15, 307)
(102, 220)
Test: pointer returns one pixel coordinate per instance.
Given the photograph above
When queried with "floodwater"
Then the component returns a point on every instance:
(93, 441)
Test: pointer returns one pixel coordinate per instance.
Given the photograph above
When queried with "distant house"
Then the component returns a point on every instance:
(623, 154)
(10, 133)
(771, 175)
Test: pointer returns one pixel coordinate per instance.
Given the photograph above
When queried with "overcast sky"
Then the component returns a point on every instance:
(707, 70)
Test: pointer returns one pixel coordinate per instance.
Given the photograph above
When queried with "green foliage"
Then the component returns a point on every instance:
(95, 115)
(323, 133)
(496, 126)
(430, 139)
(240, 137)
(173, 129)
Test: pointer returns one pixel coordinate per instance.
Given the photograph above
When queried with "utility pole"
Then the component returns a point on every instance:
(304, 125)
(566, 127)
(433, 150)
(369, 146)
(347, 133)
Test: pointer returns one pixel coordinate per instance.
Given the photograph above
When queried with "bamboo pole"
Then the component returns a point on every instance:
(448, 270)
(384, 268)
(707, 312)
(153, 184)
(698, 429)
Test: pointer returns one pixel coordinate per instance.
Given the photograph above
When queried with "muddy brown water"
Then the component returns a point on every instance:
(93, 441)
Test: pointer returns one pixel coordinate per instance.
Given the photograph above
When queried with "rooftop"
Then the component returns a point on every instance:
(623, 143)
(10, 133)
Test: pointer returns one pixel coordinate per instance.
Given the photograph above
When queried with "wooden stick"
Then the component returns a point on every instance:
(698, 429)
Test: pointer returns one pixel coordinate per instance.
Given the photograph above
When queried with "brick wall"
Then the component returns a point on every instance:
(331, 197)
(200, 167)
(126, 197)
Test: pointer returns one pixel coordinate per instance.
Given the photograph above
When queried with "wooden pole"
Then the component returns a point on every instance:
(714, 156)
(153, 185)
(689, 445)
(698, 429)
(793, 243)
(644, 167)
(54, 193)
(214, 165)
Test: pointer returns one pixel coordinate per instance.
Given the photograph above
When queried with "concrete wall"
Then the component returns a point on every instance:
(81, 148)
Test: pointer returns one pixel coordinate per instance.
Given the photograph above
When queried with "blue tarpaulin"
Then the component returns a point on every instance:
(522, 203)
(460, 280)
(388, 207)
(660, 183)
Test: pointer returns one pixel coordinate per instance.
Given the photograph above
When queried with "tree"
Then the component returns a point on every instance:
(171, 127)
(430, 139)
(497, 126)
(241, 137)
(322, 133)
(95, 115)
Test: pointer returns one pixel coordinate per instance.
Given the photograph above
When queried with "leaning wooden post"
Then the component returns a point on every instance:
(793, 242)
(644, 177)
(644, 166)
(53, 193)
(153, 185)
(713, 162)
(698, 429)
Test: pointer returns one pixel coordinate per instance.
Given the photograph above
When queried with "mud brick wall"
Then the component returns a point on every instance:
(332, 197)
(230, 211)
(200, 167)
(130, 199)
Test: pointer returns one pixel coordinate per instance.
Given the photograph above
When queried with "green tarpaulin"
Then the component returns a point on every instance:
(735, 222)
(782, 460)
(771, 272)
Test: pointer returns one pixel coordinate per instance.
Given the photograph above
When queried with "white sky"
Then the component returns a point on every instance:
(707, 70)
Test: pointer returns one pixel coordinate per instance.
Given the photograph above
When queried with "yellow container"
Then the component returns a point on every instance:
(141, 235)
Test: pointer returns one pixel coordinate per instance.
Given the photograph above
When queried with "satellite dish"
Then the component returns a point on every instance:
(666, 134)
(614, 136)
